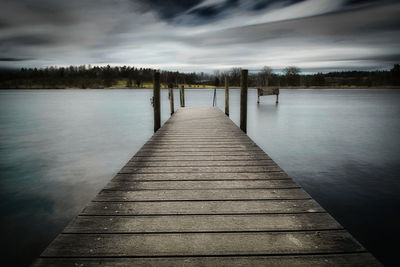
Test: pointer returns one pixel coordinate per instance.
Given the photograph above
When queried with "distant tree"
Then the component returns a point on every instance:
(108, 78)
(292, 74)
(318, 79)
(129, 82)
(216, 78)
(395, 74)
(234, 76)
(216, 81)
(265, 75)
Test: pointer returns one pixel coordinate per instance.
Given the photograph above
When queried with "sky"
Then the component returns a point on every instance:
(201, 35)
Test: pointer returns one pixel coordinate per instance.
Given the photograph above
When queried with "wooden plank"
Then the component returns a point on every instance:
(201, 158)
(202, 223)
(185, 143)
(206, 194)
(200, 185)
(200, 140)
(200, 176)
(226, 149)
(202, 207)
(193, 244)
(197, 146)
(327, 260)
(216, 169)
(199, 163)
(142, 153)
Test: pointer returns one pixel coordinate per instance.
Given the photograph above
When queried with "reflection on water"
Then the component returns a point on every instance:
(59, 148)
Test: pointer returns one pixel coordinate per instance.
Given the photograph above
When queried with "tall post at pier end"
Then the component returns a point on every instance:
(243, 100)
(156, 101)
(182, 94)
(227, 95)
(171, 98)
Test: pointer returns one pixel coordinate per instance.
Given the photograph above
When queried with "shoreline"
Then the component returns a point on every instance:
(220, 88)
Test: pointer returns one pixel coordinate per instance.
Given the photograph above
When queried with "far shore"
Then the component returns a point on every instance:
(213, 87)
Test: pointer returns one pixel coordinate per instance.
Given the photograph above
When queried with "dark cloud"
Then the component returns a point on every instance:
(28, 40)
(263, 4)
(211, 11)
(361, 2)
(391, 58)
(168, 9)
(3, 25)
(361, 25)
(13, 59)
(37, 12)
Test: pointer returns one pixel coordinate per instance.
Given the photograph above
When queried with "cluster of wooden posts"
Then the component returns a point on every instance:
(243, 98)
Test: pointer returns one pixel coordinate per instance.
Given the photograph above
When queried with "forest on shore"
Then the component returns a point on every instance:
(130, 77)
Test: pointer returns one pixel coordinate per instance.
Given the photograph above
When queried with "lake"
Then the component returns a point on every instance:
(58, 148)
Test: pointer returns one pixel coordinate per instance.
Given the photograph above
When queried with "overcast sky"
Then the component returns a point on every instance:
(201, 35)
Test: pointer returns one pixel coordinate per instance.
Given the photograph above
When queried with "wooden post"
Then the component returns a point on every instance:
(215, 97)
(182, 94)
(156, 101)
(171, 99)
(243, 100)
(227, 96)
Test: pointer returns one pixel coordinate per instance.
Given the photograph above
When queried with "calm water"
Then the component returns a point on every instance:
(59, 148)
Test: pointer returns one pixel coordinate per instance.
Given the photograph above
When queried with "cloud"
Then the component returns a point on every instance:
(11, 59)
(167, 9)
(200, 35)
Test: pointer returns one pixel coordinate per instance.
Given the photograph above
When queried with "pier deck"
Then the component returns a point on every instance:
(200, 192)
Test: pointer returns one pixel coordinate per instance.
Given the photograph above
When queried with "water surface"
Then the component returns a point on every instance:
(58, 148)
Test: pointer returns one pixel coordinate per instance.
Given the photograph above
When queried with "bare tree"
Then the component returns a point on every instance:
(264, 76)
(235, 76)
(292, 74)
(217, 78)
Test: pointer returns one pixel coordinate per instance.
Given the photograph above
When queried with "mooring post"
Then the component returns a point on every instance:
(182, 96)
(243, 100)
(171, 99)
(156, 101)
(227, 95)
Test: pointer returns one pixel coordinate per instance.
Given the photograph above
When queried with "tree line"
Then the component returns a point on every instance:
(131, 77)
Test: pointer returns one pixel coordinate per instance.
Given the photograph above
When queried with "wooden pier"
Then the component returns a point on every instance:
(200, 192)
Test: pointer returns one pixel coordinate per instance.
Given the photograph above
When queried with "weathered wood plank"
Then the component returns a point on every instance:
(227, 149)
(197, 153)
(200, 146)
(201, 207)
(216, 169)
(199, 163)
(201, 223)
(200, 185)
(201, 158)
(327, 260)
(166, 139)
(191, 244)
(200, 176)
(206, 194)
